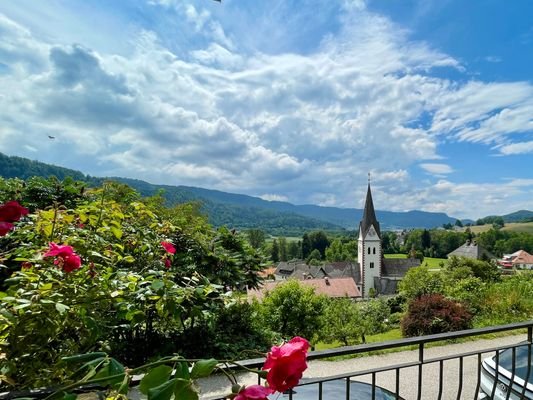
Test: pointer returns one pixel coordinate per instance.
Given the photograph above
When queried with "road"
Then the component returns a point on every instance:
(408, 376)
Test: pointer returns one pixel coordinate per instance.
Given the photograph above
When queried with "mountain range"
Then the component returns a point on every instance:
(246, 212)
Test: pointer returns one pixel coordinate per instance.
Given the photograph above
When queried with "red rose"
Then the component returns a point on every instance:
(5, 227)
(169, 247)
(12, 211)
(254, 392)
(168, 263)
(286, 364)
(65, 256)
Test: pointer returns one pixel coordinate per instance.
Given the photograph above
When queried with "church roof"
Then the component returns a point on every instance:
(369, 216)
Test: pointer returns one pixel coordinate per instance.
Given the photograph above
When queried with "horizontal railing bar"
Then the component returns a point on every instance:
(365, 348)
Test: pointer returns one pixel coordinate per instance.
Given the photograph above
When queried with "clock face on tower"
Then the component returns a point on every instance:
(371, 231)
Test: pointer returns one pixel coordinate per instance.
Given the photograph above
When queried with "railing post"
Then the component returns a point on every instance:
(421, 362)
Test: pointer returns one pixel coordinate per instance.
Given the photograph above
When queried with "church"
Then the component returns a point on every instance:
(376, 273)
(372, 274)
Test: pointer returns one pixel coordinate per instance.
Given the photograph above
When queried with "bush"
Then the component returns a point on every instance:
(430, 314)
(294, 310)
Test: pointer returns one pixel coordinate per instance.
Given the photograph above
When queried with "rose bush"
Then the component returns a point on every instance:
(109, 271)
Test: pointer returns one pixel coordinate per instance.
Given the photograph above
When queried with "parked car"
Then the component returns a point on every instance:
(505, 368)
(336, 390)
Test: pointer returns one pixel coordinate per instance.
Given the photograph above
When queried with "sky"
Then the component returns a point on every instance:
(285, 100)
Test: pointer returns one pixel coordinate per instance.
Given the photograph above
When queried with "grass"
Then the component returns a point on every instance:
(510, 226)
(395, 334)
(433, 263)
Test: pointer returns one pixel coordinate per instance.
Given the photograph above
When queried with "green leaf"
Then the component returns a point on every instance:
(78, 358)
(128, 259)
(158, 284)
(70, 396)
(185, 390)
(182, 370)
(163, 392)
(61, 308)
(156, 377)
(117, 232)
(203, 368)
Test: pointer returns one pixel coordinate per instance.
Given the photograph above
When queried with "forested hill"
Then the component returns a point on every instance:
(237, 210)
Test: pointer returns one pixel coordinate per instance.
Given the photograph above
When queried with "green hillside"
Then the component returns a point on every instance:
(241, 211)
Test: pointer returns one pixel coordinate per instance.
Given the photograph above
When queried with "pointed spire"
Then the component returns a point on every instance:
(369, 215)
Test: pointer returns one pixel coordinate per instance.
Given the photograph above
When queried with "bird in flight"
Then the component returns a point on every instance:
(51, 137)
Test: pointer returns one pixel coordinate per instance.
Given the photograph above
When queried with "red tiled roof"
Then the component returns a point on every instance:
(338, 287)
(523, 257)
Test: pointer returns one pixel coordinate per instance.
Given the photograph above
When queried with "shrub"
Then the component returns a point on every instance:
(430, 314)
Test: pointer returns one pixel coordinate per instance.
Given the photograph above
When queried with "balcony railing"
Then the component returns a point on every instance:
(443, 365)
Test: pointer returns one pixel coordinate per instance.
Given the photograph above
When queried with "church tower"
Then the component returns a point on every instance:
(369, 246)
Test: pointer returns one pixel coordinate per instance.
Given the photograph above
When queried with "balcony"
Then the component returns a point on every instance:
(428, 367)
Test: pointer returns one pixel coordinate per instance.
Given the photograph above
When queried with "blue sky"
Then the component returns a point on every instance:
(286, 100)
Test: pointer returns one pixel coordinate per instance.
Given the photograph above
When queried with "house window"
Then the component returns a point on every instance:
(374, 250)
(371, 265)
(369, 250)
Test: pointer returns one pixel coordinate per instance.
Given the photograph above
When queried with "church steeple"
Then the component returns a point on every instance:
(369, 215)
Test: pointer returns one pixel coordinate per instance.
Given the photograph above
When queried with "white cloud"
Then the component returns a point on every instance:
(437, 169)
(517, 148)
(273, 197)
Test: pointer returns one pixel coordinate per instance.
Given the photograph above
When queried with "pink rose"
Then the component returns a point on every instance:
(254, 392)
(5, 227)
(12, 211)
(169, 247)
(286, 364)
(65, 256)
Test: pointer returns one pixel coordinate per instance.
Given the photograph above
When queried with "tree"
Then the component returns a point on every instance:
(342, 322)
(282, 249)
(425, 239)
(294, 250)
(430, 314)
(292, 309)
(256, 237)
(306, 245)
(314, 258)
(420, 281)
(319, 241)
(274, 252)
(458, 223)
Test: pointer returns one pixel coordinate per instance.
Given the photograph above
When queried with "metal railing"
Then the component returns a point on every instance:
(508, 384)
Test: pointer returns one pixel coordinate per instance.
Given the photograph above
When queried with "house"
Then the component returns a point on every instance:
(471, 249)
(519, 259)
(338, 287)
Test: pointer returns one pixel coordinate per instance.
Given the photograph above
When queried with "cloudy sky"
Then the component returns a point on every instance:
(282, 99)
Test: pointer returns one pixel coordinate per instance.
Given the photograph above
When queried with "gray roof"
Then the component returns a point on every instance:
(398, 267)
(471, 250)
(369, 216)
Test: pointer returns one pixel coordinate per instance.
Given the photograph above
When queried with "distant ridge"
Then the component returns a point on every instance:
(243, 211)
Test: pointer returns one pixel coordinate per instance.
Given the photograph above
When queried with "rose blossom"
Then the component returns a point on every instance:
(169, 247)
(12, 211)
(66, 258)
(286, 364)
(5, 227)
(254, 392)
(168, 263)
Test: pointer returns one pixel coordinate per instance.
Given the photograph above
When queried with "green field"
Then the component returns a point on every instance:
(433, 263)
(510, 226)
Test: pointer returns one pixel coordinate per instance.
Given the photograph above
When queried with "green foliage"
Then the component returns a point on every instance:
(433, 313)
(314, 258)
(129, 294)
(343, 322)
(341, 251)
(486, 271)
(508, 301)
(256, 237)
(420, 281)
(294, 310)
